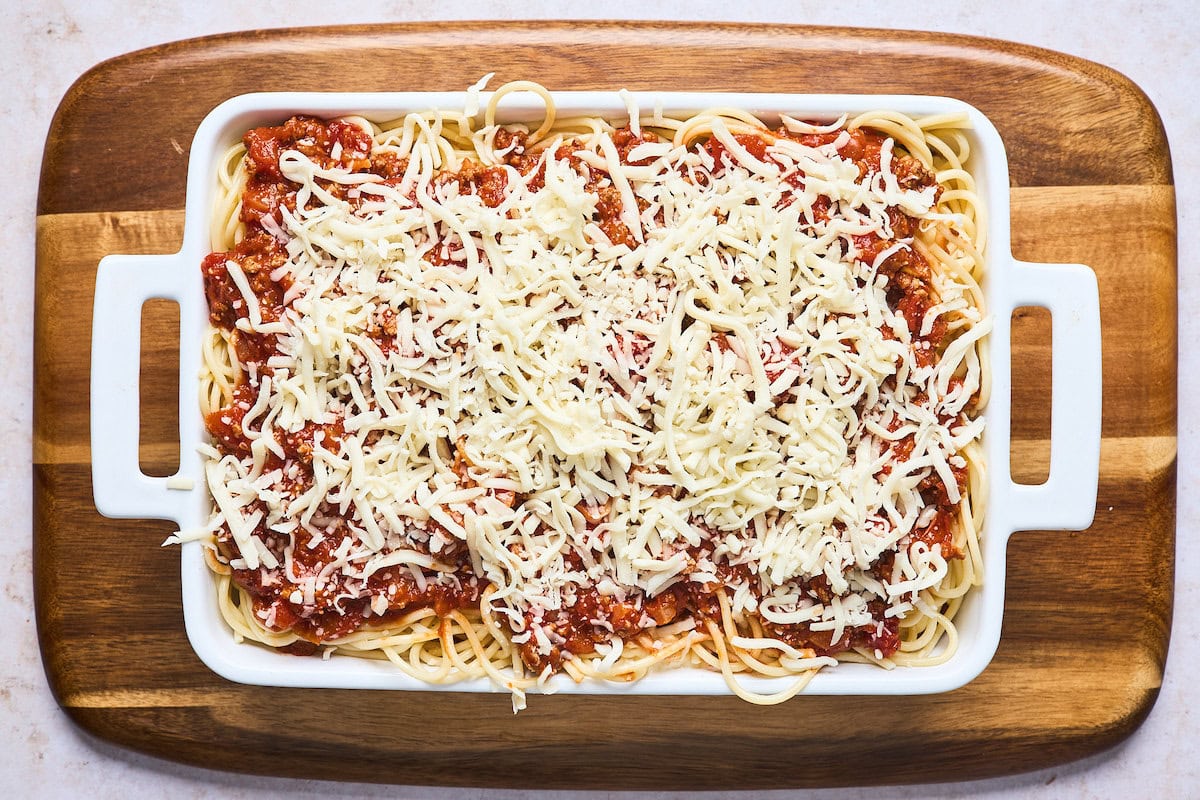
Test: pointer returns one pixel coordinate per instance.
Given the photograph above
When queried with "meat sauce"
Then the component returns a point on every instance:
(593, 618)
(337, 606)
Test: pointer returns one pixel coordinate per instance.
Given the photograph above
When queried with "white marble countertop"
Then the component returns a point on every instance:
(46, 44)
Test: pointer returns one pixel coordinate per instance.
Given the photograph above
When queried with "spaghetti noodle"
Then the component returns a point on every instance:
(597, 398)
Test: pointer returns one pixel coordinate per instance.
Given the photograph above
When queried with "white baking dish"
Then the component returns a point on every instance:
(1066, 501)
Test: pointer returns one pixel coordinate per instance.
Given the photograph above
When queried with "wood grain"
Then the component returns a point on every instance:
(1087, 615)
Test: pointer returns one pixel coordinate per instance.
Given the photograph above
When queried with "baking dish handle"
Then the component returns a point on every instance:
(123, 284)
(1067, 500)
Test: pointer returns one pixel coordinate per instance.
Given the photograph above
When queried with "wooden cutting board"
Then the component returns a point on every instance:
(1087, 617)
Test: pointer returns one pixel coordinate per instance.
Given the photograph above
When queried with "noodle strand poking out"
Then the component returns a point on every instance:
(597, 397)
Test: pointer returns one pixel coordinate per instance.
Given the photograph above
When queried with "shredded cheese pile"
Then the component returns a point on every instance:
(730, 390)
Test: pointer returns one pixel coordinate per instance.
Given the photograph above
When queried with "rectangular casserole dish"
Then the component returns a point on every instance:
(1066, 501)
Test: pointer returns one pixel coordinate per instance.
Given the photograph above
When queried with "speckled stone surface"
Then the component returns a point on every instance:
(45, 46)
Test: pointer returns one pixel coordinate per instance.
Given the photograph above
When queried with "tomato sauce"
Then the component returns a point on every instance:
(756, 146)
(940, 532)
(225, 424)
(489, 184)
(577, 629)
(258, 255)
(608, 211)
(339, 605)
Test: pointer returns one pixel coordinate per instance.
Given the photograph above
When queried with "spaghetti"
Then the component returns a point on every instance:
(596, 398)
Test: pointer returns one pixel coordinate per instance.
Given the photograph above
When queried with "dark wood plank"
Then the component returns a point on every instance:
(1087, 615)
(1062, 684)
(175, 85)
